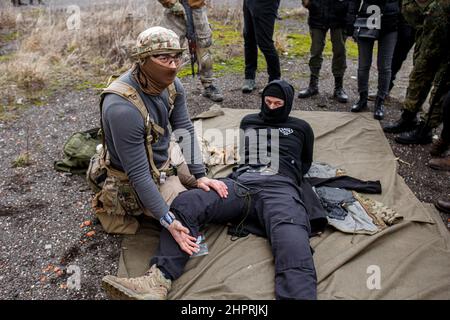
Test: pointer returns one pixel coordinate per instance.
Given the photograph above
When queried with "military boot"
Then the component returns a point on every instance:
(339, 93)
(361, 104)
(312, 89)
(440, 164)
(439, 147)
(422, 134)
(443, 206)
(151, 286)
(378, 111)
(407, 122)
(213, 93)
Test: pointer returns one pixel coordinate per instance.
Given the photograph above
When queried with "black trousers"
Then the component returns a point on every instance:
(405, 41)
(445, 134)
(259, 24)
(275, 205)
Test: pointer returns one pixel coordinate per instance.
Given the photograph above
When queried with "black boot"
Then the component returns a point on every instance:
(407, 122)
(422, 134)
(378, 110)
(339, 92)
(312, 90)
(361, 104)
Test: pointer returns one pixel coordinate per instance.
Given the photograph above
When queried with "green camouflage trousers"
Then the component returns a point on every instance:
(431, 61)
(204, 39)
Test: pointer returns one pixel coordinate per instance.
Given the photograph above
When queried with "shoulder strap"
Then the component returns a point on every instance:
(129, 93)
(172, 90)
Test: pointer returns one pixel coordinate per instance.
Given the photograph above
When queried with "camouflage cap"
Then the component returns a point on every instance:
(156, 40)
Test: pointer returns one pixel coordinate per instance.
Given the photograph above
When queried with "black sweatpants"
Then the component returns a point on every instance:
(275, 205)
(259, 24)
(405, 41)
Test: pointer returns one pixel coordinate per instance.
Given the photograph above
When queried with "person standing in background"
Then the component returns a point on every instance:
(327, 15)
(259, 25)
(384, 14)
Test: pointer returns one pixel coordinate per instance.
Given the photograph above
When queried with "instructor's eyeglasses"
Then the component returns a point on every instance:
(168, 58)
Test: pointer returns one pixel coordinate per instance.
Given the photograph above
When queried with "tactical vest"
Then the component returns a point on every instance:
(114, 193)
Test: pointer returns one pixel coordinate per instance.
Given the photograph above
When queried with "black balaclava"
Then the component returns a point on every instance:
(279, 89)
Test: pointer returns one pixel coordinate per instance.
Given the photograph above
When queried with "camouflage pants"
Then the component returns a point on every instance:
(204, 39)
(431, 64)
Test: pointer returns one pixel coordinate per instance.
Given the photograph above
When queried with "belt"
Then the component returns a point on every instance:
(164, 174)
(262, 170)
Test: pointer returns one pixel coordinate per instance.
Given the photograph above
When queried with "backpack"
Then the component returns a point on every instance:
(78, 151)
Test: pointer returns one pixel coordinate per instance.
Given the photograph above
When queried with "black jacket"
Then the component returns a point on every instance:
(390, 12)
(325, 14)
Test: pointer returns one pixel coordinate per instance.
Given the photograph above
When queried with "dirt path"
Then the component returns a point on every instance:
(41, 210)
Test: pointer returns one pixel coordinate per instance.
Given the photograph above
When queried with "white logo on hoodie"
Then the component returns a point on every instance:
(286, 131)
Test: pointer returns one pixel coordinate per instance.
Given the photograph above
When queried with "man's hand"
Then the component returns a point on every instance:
(177, 9)
(218, 186)
(181, 235)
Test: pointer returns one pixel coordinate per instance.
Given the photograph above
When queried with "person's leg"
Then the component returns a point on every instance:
(264, 26)
(339, 63)
(386, 46)
(250, 46)
(205, 60)
(317, 45)
(365, 48)
(287, 227)
(405, 41)
(315, 62)
(194, 208)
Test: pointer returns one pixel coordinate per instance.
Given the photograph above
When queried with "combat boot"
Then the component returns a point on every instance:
(213, 93)
(443, 206)
(407, 122)
(361, 104)
(312, 89)
(339, 93)
(249, 85)
(378, 111)
(422, 134)
(440, 164)
(151, 286)
(439, 147)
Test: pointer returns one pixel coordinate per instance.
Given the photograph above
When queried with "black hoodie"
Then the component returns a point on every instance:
(296, 137)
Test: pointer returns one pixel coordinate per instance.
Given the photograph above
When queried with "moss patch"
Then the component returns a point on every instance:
(299, 46)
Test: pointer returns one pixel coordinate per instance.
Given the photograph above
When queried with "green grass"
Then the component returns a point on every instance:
(299, 46)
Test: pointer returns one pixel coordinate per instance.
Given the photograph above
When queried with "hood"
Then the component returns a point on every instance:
(281, 114)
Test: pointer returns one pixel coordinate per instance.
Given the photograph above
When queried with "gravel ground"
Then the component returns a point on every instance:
(42, 211)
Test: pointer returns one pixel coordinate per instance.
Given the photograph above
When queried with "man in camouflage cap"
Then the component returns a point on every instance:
(132, 152)
(431, 71)
(175, 19)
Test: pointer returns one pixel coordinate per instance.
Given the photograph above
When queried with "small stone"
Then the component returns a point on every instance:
(48, 246)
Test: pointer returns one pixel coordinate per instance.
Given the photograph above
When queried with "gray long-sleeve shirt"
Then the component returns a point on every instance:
(125, 140)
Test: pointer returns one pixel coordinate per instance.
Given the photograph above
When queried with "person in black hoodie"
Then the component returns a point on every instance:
(265, 196)
(386, 22)
(327, 15)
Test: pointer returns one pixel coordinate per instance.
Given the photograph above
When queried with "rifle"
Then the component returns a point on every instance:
(190, 34)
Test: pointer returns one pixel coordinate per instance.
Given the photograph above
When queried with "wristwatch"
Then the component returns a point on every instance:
(167, 219)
